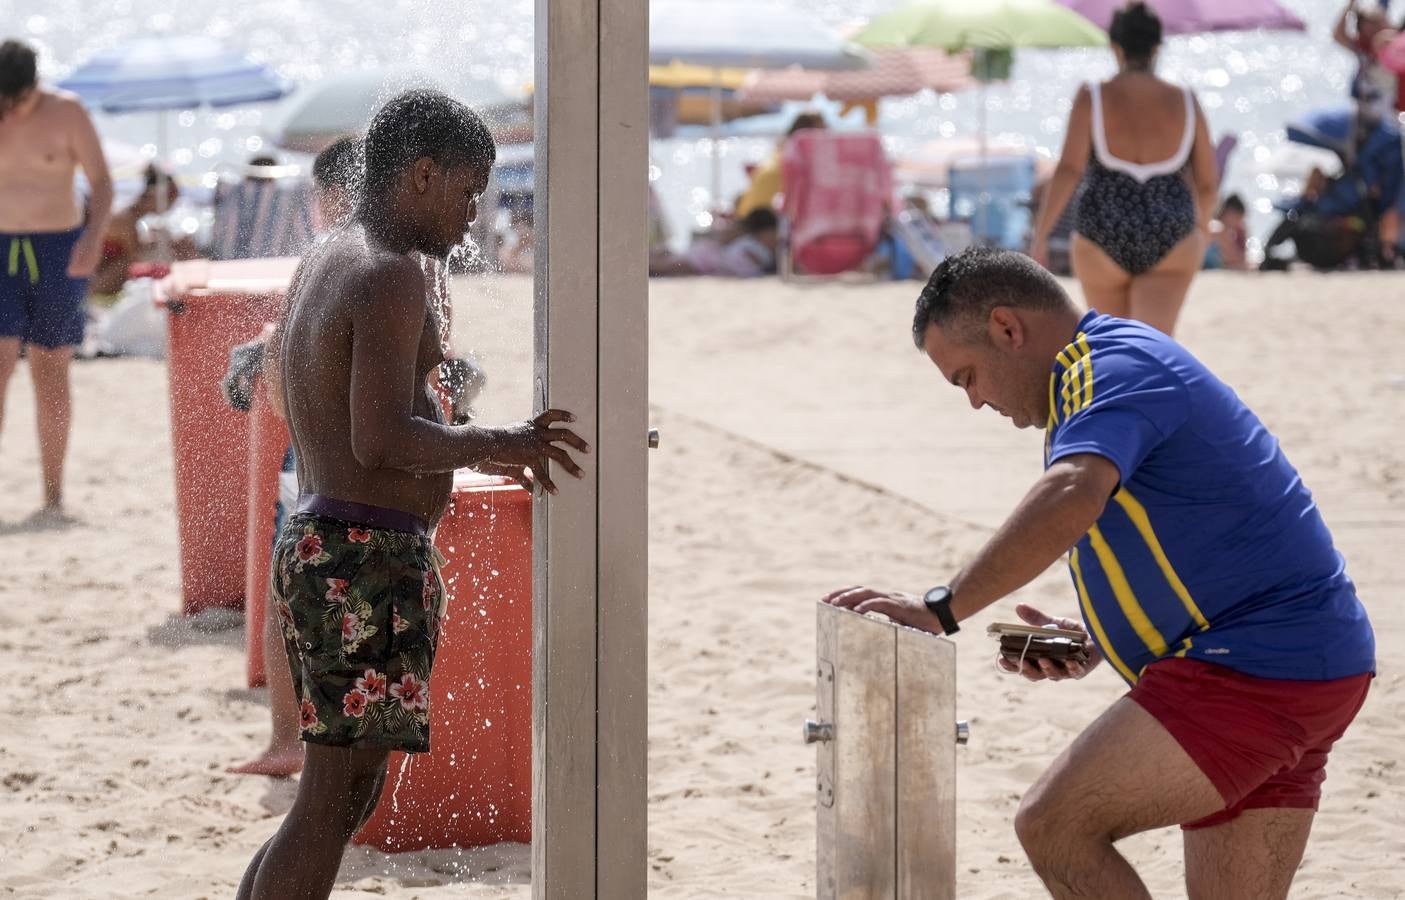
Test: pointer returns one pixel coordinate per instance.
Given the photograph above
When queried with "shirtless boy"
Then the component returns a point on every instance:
(355, 574)
(47, 247)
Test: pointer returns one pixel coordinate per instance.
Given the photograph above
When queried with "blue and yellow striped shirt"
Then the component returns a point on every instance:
(1212, 547)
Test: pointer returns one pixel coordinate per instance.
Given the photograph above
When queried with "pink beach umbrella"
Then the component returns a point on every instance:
(896, 72)
(1198, 16)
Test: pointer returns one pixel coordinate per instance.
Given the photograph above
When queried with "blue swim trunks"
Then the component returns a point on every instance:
(39, 303)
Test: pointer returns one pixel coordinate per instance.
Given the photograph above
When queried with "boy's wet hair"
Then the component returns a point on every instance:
(967, 286)
(339, 165)
(1136, 28)
(759, 220)
(18, 69)
(424, 123)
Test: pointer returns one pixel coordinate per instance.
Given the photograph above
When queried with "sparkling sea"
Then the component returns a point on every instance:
(1250, 83)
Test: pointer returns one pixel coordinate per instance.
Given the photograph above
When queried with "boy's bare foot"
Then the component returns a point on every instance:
(279, 763)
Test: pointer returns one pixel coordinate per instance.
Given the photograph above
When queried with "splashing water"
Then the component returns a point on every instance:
(395, 792)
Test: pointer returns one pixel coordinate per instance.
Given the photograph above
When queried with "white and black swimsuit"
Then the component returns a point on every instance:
(1136, 212)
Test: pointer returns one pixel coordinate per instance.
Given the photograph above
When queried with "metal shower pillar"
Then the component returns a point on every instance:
(589, 829)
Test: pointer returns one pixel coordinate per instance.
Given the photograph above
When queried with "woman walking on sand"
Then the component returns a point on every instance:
(1142, 220)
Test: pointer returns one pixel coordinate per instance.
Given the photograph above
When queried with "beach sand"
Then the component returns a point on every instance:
(805, 446)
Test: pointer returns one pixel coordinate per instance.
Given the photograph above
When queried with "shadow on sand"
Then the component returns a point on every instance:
(215, 626)
(39, 522)
(500, 864)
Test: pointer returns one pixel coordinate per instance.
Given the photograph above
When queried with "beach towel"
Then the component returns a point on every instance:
(262, 217)
(838, 192)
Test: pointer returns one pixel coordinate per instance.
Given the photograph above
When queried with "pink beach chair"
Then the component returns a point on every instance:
(838, 193)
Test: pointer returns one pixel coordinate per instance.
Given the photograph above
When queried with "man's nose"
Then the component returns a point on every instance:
(976, 402)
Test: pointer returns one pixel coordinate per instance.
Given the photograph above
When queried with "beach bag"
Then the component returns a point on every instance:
(134, 326)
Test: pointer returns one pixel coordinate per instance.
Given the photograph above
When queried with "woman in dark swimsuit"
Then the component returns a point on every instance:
(1149, 193)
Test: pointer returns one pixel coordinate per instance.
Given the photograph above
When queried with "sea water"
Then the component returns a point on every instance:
(1249, 83)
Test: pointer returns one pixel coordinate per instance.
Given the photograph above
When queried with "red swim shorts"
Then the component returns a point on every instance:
(1262, 742)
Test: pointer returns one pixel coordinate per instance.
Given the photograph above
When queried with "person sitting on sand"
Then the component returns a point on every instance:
(50, 247)
(1205, 575)
(766, 180)
(1228, 238)
(749, 253)
(122, 244)
(355, 573)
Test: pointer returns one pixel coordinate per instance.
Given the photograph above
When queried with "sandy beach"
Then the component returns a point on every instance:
(805, 445)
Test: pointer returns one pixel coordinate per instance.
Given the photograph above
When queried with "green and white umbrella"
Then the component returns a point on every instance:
(993, 29)
(956, 25)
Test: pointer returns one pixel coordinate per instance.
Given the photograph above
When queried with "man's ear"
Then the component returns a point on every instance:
(1006, 328)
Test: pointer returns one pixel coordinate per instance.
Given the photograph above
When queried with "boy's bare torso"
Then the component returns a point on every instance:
(38, 161)
(316, 364)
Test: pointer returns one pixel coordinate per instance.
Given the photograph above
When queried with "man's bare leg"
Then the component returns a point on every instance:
(1254, 855)
(1125, 774)
(284, 754)
(54, 413)
(9, 358)
(336, 794)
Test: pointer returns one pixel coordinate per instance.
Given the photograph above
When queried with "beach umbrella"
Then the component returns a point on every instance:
(732, 34)
(155, 74)
(169, 72)
(680, 93)
(737, 34)
(896, 72)
(994, 29)
(991, 28)
(342, 105)
(1198, 16)
(956, 25)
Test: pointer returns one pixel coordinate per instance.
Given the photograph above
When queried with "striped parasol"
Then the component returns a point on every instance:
(896, 72)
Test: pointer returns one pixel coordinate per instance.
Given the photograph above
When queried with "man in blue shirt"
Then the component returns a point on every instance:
(1204, 573)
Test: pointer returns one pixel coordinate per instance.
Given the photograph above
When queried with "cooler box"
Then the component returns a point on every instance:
(474, 787)
(213, 306)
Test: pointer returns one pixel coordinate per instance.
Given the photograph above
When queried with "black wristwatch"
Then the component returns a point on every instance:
(938, 600)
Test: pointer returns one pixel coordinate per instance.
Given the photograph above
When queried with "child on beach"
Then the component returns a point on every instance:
(1228, 237)
(749, 253)
(356, 578)
(336, 176)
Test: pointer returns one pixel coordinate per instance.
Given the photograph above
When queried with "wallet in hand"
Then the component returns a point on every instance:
(1033, 643)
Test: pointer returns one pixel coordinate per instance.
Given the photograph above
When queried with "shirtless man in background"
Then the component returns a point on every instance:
(48, 249)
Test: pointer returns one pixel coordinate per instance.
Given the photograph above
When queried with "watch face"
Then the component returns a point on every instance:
(938, 595)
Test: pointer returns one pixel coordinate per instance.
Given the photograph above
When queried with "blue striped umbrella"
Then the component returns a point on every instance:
(172, 72)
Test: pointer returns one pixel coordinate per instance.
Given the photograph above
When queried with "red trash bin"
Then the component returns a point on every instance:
(212, 307)
(474, 787)
(268, 445)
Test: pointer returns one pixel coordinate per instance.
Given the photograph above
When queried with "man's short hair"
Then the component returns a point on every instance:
(967, 286)
(339, 165)
(424, 123)
(18, 69)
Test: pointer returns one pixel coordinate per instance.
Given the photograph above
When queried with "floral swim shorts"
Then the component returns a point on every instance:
(360, 609)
